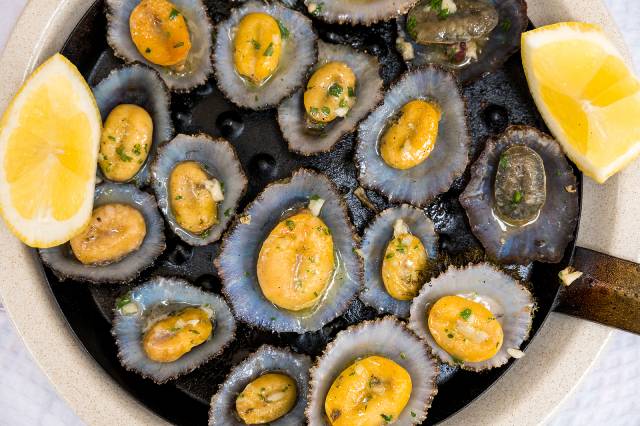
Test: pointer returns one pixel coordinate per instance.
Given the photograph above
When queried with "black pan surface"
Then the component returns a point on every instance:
(494, 102)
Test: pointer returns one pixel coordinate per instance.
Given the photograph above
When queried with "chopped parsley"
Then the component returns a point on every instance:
(351, 91)
(325, 110)
(450, 336)
(343, 103)
(178, 197)
(174, 14)
(403, 355)
(318, 9)
(227, 212)
(465, 314)
(123, 300)
(123, 155)
(504, 162)
(290, 224)
(178, 44)
(387, 417)
(314, 197)
(269, 50)
(284, 32)
(389, 256)
(256, 44)
(313, 110)
(436, 6)
(411, 26)
(335, 90)
(194, 331)
(147, 50)
(517, 197)
(272, 318)
(457, 360)
(136, 149)
(111, 138)
(506, 25)
(205, 233)
(413, 414)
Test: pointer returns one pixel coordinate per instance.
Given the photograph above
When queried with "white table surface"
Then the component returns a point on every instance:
(607, 395)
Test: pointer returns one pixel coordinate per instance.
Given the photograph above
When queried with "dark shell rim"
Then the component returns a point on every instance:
(286, 94)
(259, 198)
(366, 324)
(476, 176)
(336, 20)
(354, 128)
(151, 261)
(179, 281)
(264, 347)
(245, 182)
(526, 335)
(454, 174)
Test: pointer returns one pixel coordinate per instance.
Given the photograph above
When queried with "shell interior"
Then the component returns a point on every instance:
(140, 85)
(503, 41)
(449, 158)
(374, 243)
(508, 300)
(298, 56)
(200, 29)
(238, 258)
(127, 329)
(356, 11)
(385, 337)
(267, 359)
(219, 159)
(65, 265)
(547, 237)
(291, 113)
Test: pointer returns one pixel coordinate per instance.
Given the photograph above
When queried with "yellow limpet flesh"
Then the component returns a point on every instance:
(466, 330)
(170, 338)
(257, 47)
(190, 197)
(370, 392)
(114, 231)
(404, 266)
(330, 92)
(296, 262)
(126, 138)
(409, 141)
(267, 398)
(160, 33)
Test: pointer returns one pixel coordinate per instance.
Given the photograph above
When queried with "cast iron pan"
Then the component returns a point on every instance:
(494, 102)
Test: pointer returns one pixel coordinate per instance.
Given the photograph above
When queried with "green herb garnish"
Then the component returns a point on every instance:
(314, 197)
(174, 14)
(284, 32)
(465, 314)
(269, 50)
(506, 25)
(178, 197)
(123, 300)
(335, 90)
(123, 155)
(227, 212)
(147, 50)
(343, 103)
(517, 197)
(387, 417)
(178, 44)
(205, 233)
(256, 44)
(290, 224)
(504, 162)
(351, 92)
(411, 26)
(325, 110)
(136, 149)
(389, 256)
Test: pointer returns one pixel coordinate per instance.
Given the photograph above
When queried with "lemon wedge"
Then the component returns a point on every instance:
(587, 95)
(49, 140)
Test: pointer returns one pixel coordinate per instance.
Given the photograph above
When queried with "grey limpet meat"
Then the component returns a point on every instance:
(356, 12)
(298, 55)
(66, 266)
(219, 159)
(241, 245)
(267, 359)
(493, 49)
(198, 65)
(543, 238)
(140, 85)
(448, 160)
(510, 302)
(374, 243)
(163, 294)
(386, 337)
(292, 114)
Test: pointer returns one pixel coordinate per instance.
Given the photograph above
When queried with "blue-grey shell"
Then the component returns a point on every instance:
(127, 329)
(544, 240)
(238, 258)
(487, 282)
(65, 265)
(140, 85)
(219, 160)
(299, 54)
(200, 29)
(450, 155)
(356, 12)
(374, 244)
(504, 40)
(386, 337)
(267, 359)
(292, 114)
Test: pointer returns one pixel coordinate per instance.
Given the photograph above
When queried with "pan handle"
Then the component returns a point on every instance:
(608, 292)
